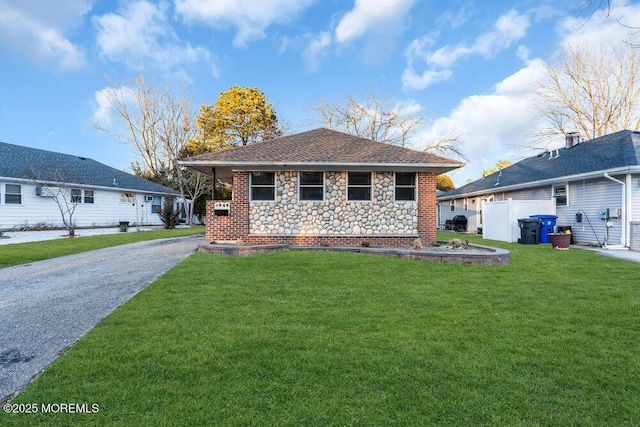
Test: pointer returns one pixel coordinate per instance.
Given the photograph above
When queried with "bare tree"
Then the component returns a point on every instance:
(601, 9)
(374, 118)
(592, 90)
(159, 127)
(63, 188)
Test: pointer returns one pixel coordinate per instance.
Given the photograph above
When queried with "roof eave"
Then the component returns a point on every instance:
(89, 186)
(207, 166)
(540, 183)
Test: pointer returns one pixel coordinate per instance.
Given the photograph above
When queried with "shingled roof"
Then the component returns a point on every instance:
(322, 148)
(618, 151)
(25, 163)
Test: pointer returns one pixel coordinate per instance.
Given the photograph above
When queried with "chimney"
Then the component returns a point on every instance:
(572, 139)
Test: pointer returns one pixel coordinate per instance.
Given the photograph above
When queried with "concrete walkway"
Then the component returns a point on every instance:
(47, 306)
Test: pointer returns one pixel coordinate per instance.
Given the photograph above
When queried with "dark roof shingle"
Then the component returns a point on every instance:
(27, 163)
(323, 146)
(608, 152)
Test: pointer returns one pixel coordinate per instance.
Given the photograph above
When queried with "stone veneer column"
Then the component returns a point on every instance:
(427, 213)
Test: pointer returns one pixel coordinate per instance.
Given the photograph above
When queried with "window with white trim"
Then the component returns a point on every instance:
(452, 205)
(13, 194)
(127, 197)
(466, 204)
(359, 186)
(88, 196)
(561, 195)
(311, 186)
(76, 195)
(262, 186)
(156, 204)
(405, 186)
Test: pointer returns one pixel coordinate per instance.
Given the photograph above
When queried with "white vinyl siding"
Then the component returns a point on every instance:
(106, 210)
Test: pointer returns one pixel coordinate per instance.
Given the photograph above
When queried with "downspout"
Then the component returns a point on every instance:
(623, 232)
(628, 209)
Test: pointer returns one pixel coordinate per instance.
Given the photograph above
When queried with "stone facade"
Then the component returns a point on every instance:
(333, 221)
(335, 215)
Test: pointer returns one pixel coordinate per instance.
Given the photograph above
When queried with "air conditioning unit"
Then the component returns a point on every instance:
(148, 198)
(47, 191)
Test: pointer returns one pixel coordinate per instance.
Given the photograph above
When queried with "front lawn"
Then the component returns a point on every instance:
(24, 253)
(325, 338)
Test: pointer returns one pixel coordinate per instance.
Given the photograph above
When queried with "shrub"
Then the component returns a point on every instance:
(169, 216)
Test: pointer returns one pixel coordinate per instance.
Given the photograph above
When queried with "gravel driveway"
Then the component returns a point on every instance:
(47, 306)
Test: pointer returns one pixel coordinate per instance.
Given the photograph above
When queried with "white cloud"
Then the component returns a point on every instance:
(622, 23)
(410, 79)
(103, 114)
(38, 30)
(140, 33)
(508, 29)
(371, 15)
(251, 17)
(492, 126)
(315, 50)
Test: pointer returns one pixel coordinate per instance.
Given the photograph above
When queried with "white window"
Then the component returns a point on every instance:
(359, 186)
(76, 195)
(127, 197)
(466, 204)
(311, 186)
(156, 204)
(452, 205)
(88, 196)
(263, 186)
(405, 186)
(561, 194)
(13, 194)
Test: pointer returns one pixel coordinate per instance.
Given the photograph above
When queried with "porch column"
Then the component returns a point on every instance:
(427, 210)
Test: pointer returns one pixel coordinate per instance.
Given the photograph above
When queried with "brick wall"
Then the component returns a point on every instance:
(427, 213)
(236, 225)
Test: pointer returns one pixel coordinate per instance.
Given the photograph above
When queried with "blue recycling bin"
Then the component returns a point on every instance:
(547, 225)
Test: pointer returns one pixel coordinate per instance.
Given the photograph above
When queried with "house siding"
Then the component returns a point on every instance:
(589, 197)
(334, 221)
(107, 210)
(635, 198)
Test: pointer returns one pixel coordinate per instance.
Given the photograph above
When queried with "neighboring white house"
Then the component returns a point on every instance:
(594, 186)
(32, 179)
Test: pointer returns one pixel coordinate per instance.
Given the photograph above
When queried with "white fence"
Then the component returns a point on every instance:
(500, 219)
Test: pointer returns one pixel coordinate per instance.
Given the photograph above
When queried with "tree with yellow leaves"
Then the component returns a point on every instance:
(444, 183)
(500, 164)
(240, 116)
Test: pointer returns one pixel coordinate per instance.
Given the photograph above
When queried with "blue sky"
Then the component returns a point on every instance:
(469, 66)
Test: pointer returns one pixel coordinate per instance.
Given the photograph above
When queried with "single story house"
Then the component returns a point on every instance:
(31, 180)
(323, 187)
(593, 187)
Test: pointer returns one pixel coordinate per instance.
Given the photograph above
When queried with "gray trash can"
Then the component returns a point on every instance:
(528, 230)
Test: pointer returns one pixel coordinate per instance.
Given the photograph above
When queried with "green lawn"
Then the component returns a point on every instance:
(325, 338)
(37, 251)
